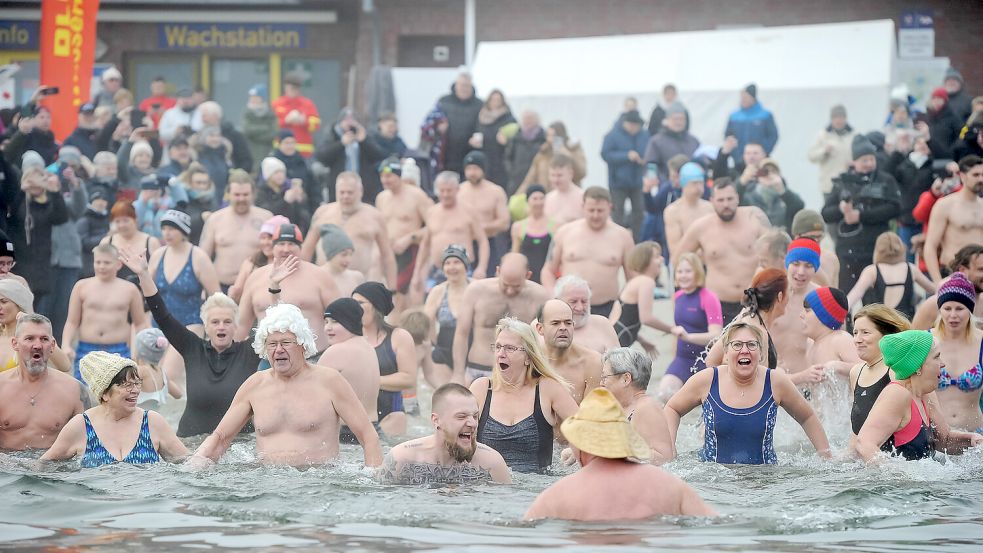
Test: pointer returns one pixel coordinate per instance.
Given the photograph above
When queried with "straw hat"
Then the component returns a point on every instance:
(99, 368)
(600, 428)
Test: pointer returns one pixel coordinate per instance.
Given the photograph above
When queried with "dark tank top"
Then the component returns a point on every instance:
(526, 446)
(388, 402)
(536, 248)
(864, 398)
(628, 325)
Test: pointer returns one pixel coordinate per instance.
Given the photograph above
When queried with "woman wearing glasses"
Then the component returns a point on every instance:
(740, 400)
(103, 434)
(523, 401)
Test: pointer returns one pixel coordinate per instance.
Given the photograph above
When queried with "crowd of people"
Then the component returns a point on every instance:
(165, 250)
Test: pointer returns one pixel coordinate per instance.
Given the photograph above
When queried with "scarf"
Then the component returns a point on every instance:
(531, 134)
(918, 159)
(488, 116)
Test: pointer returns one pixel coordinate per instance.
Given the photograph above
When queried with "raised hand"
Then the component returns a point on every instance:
(135, 261)
(282, 269)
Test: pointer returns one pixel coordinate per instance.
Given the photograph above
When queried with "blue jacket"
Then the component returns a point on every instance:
(754, 124)
(623, 173)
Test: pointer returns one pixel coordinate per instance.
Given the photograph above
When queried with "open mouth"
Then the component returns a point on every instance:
(503, 366)
(744, 361)
(466, 435)
(36, 356)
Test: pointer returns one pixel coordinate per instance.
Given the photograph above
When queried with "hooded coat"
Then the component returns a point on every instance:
(462, 122)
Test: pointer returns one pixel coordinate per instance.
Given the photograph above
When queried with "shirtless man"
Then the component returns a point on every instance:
(679, 215)
(231, 234)
(487, 201)
(787, 332)
(35, 401)
(832, 349)
(591, 331)
(338, 251)
(565, 200)
(577, 251)
(362, 222)
(96, 308)
(355, 358)
(810, 224)
(485, 301)
(404, 208)
(968, 260)
(307, 287)
(612, 485)
(452, 454)
(580, 366)
(726, 239)
(297, 407)
(449, 222)
(770, 249)
(957, 219)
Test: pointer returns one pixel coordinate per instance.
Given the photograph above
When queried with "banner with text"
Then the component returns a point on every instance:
(68, 44)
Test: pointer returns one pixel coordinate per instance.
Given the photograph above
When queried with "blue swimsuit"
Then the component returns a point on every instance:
(96, 455)
(739, 436)
(183, 296)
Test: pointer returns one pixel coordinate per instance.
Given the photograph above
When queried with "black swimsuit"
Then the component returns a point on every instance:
(526, 446)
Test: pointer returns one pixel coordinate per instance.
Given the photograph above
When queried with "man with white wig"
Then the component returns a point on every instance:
(296, 406)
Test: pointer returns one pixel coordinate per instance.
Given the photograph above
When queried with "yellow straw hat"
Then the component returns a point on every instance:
(99, 368)
(600, 428)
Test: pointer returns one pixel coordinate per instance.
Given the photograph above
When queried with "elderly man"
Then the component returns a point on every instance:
(452, 454)
(297, 407)
(231, 234)
(591, 331)
(303, 285)
(612, 485)
(576, 251)
(35, 401)
(485, 301)
(580, 366)
(363, 223)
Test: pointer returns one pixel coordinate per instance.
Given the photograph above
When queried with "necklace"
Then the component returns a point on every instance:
(753, 380)
(35, 396)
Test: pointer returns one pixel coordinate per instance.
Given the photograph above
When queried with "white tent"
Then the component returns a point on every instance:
(800, 71)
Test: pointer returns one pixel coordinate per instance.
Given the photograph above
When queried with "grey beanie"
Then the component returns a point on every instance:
(675, 107)
(862, 146)
(31, 160)
(17, 293)
(334, 241)
(151, 345)
(953, 73)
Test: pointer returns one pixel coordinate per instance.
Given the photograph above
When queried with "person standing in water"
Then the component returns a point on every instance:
(533, 236)
(961, 344)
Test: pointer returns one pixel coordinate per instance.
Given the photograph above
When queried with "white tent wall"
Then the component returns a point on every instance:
(800, 71)
(417, 90)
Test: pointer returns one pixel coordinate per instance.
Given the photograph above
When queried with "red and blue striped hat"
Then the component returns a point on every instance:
(803, 249)
(830, 306)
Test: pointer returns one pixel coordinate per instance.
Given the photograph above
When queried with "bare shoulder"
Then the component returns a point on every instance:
(321, 212)
(551, 388)
(480, 388)
(568, 228)
(487, 457)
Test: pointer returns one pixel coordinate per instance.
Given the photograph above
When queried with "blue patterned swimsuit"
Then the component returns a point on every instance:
(739, 436)
(96, 455)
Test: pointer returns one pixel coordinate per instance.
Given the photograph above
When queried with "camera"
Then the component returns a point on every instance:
(940, 169)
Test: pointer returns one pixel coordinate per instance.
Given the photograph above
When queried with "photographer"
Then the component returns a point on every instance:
(33, 131)
(859, 209)
(345, 148)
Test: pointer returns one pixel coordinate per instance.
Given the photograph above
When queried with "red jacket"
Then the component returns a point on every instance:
(147, 106)
(304, 133)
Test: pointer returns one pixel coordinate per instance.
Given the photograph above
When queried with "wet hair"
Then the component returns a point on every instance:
(734, 327)
(31, 318)
(570, 281)
(964, 257)
(630, 361)
(284, 317)
(539, 366)
(561, 161)
(416, 322)
(885, 319)
(889, 248)
(694, 261)
(106, 249)
(763, 293)
(676, 162)
(451, 388)
(597, 193)
(968, 162)
(218, 299)
(721, 183)
(642, 255)
(122, 208)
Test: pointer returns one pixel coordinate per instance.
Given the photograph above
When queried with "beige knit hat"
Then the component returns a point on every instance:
(99, 368)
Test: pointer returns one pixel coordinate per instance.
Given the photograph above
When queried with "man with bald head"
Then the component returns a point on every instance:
(579, 365)
(363, 223)
(509, 294)
(591, 331)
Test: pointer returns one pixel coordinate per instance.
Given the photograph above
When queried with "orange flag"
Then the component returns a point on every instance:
(68, 44)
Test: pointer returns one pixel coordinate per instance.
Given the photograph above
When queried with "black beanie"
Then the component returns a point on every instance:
(862, 146)
(346, 312)
(475, 157)
(752, 89)
(377, 294)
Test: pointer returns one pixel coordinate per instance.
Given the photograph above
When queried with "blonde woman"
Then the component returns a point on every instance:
(891, 277)
(524, 401)
(961, 345)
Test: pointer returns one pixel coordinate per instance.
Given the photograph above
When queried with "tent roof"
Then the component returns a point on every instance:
(793, 57)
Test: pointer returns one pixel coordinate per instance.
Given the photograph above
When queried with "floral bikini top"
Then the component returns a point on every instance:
(969, 381)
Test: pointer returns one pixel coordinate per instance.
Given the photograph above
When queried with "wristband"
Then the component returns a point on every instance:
(273, 290)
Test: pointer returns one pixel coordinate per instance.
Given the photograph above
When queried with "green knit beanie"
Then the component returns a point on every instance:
(905, 351)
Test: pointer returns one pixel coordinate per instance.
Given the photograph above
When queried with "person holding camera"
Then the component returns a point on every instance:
(957, 219)
(860, 207)
(33, 131)
(346, 148)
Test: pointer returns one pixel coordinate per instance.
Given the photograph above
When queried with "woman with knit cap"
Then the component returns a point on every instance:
(901, 420)
(263, 257)
(282, 196)
(961, 344)
(15, 298)
(869, 377)
(890, 280)
(103, 434)
(150, 347)
(443, 303)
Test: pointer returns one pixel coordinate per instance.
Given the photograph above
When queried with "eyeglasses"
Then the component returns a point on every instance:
(509, 349)
(272, 346)
(131, 385)
(612, 375)
(752, 345)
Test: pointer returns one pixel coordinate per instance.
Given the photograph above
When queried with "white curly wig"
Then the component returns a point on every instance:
(284, 318)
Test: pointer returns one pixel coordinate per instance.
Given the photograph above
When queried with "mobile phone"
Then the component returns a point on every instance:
(651, 170)
(136, 118)
(49, 91)
(557, 142)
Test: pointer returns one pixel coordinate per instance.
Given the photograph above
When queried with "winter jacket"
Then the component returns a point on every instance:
(304, 132)
(780, 208)
(172, 121)
(667, 144)
(331, 153)
(753, 124)
(913, 180)
(260, 130)
(944, 128)
(34, 239)
(216, 162)
(66, 246)
(656, 118)
(108, 187)
(622, 172)
(273, 201)
(128, 175)
(495, 152)
(150, 214)
(462, 122)
(969, 145)
(519, 153)
(241, 156)
(836, 160)
(84, 140)
(876, 196)
(9, 188)
(92, 227)
(297, 168)
(961, 104)
(389, 146)
(42, 142)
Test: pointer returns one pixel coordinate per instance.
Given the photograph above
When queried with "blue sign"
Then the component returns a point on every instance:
(19, 35)
(917, 20)
(230, 36)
